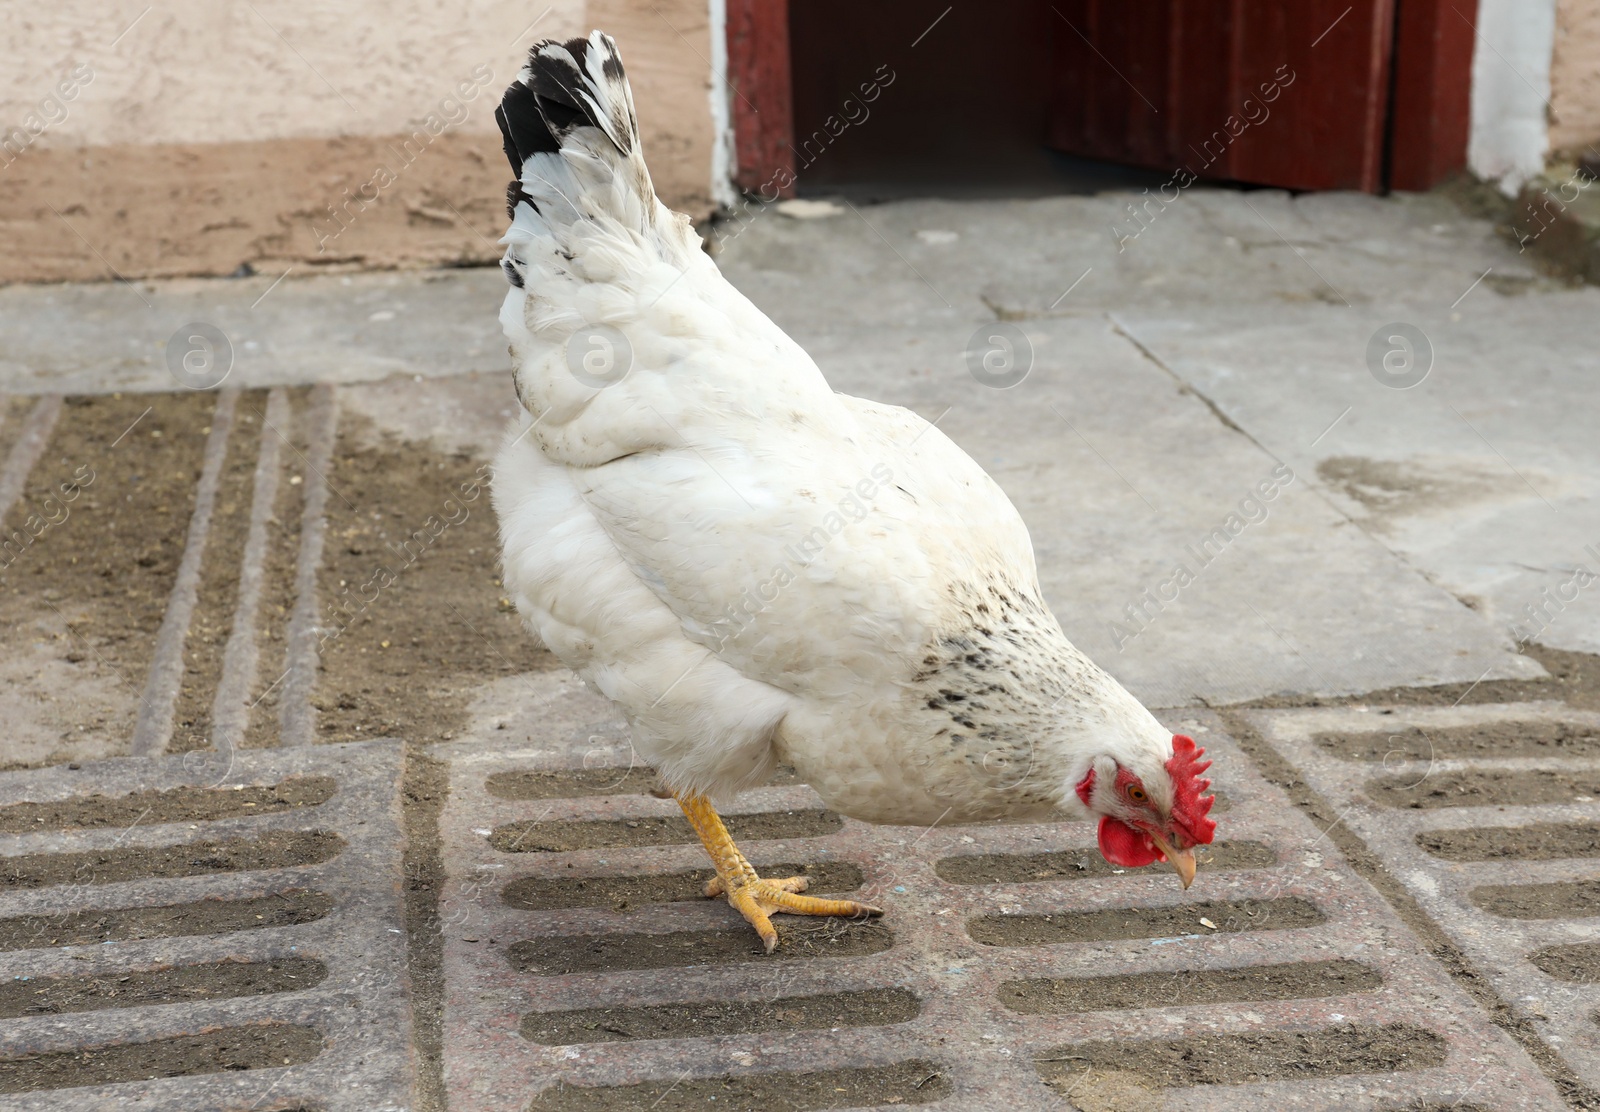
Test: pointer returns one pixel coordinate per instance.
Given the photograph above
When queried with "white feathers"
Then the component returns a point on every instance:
(751, 566)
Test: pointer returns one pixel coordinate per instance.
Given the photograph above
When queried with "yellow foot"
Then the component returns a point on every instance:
(752, 897)
(757, 899)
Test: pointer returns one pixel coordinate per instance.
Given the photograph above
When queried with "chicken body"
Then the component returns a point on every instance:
(838, 587)
(752, 567)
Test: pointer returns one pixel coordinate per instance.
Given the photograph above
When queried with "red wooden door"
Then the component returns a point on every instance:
(1292, 95)
(1313, 94)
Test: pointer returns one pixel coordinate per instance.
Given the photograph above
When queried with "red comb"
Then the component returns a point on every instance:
(1189, 806)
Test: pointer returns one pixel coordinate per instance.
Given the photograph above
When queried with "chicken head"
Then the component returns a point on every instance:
(1159, 814)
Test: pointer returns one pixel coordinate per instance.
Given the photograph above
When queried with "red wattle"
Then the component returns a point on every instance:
(1121, 844)
(1086, 788)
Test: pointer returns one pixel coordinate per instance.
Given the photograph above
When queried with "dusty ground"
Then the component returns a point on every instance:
(234, 1049)
(845, 1009)
(1290, 981)
(908, 1083)
(215, 980)
(89, 594)
(192, 804)
(1122, 1070)
(408, 663)
(435, 654)
(269, 851)
(91, 928)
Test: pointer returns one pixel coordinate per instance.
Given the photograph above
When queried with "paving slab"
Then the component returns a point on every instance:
(1172, 370)
(1476, 476)
(1489, 816)
(1156, 548)
(142, 869)
(280, 331)
(542, 833)
(1480, 478)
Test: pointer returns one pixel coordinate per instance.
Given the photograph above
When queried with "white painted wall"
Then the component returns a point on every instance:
(211, 71)
(1511, 90)
(722, 149)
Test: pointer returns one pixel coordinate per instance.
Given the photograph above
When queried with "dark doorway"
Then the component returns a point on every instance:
(900, 97)
(963, 112)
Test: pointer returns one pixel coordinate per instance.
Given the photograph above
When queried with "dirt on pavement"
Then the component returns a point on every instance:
(798, 937)
(414, 612)
(217, 980)
(97, 926)
(1539, 901)
(1497, 740)
(1085, 864)
(274, 850)
(1146, 922)
(1540, 841)
(1299, 980)
(1578, 962)
(1485, 788)
(870, 1008)
(1127, 1076)
(173, 805)
(232, 1048)
(908, 1083)
(560, 837)
(632, 893)
(91, 589)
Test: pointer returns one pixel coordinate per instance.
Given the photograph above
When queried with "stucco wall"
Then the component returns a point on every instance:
(200, 135)
(1575, 78)
(1510, 89)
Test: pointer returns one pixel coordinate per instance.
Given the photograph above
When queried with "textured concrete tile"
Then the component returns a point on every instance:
(316, 883)
(504, 963)
(1523, 909)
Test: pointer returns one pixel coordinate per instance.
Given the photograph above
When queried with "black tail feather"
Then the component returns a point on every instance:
(522, 126)
(568, 87)
(547, 99)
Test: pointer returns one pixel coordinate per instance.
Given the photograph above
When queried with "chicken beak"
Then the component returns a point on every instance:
(1181, 860)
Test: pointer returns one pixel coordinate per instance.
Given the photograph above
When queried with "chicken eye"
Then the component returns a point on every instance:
(1137, 795)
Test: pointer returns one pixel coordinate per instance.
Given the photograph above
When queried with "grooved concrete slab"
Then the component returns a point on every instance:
(348, 896)
(1409, 508)
(503, 964)
(1415, 767)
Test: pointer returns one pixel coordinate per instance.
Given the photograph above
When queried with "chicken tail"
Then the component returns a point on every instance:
(603, 275)
(572, 138)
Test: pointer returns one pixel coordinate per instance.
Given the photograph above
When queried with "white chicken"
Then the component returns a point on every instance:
(756, 569)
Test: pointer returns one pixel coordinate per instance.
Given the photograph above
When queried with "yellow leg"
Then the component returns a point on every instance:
(751, 896)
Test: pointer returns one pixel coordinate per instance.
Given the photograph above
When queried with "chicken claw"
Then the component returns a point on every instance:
(751, 896)
(716, 887)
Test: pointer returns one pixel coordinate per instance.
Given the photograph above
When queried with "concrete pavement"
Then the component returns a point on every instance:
(1227, 338)
(1233, 497)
